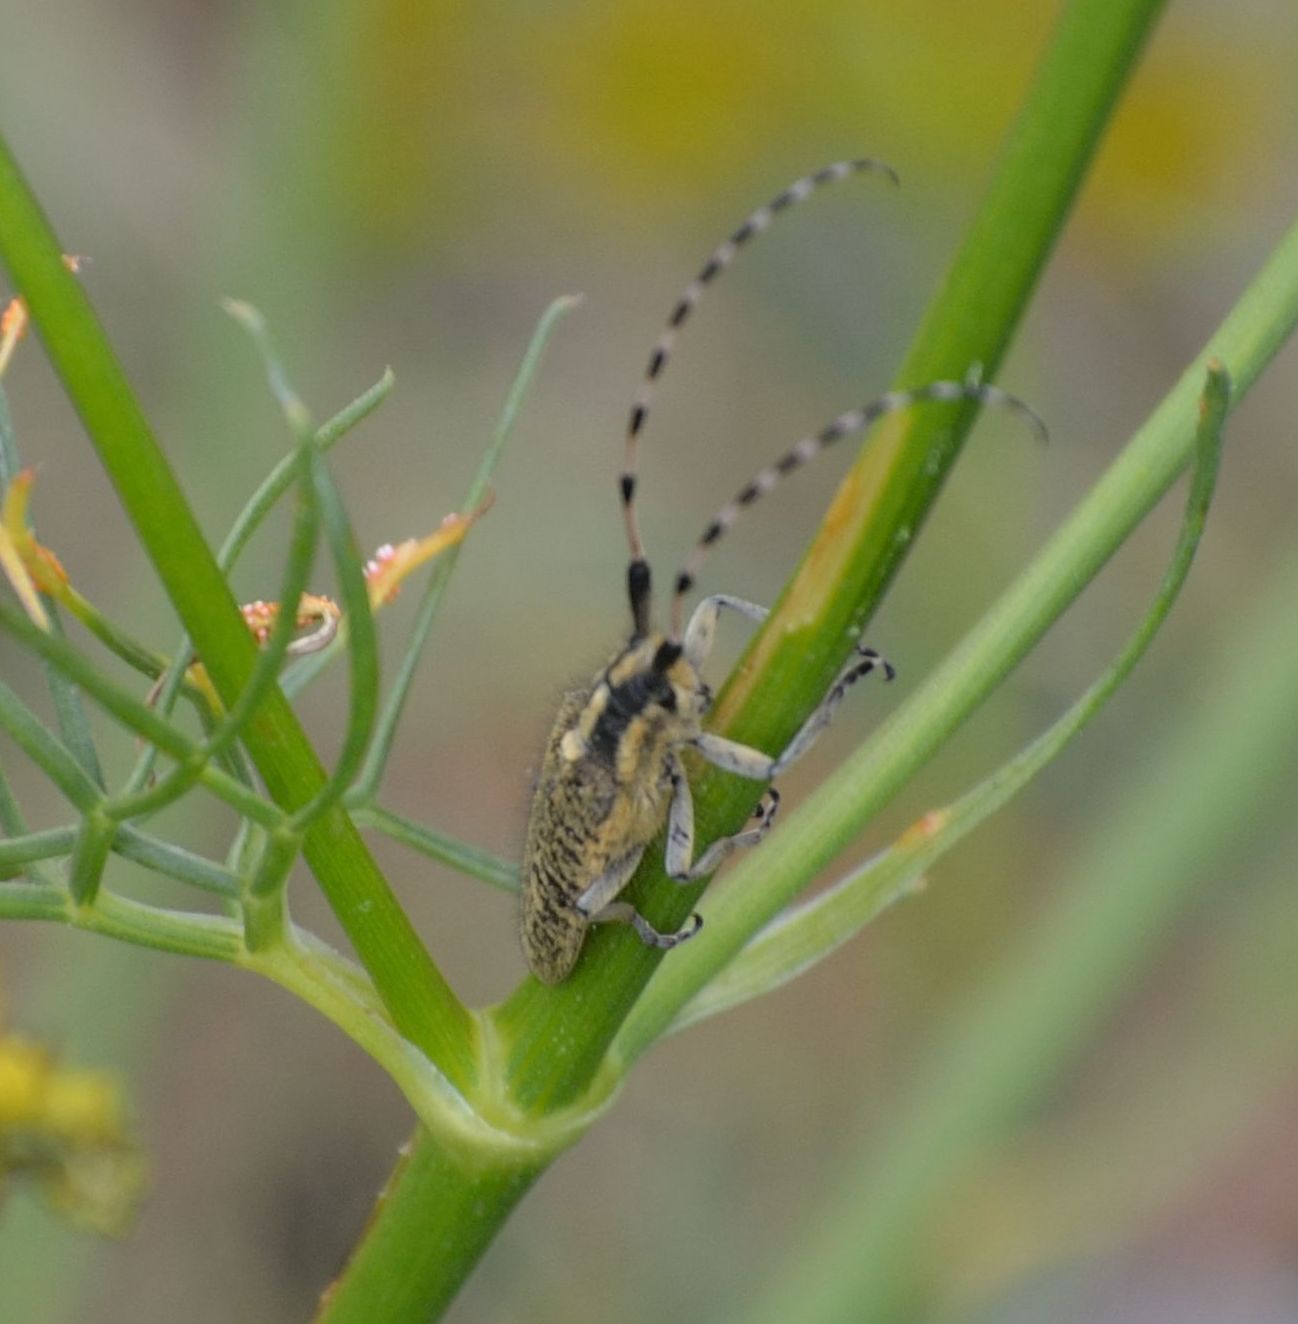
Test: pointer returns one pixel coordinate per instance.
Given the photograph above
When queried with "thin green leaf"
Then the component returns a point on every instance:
(297, 568)
(438, 846)
(175, 862)
(212, 937)
(801, 938)
(14, 825)
(248, 521)
(31, 736)
(362, 641)
(250, 518)
(136, 716)
(386, 728)
(280, 478)
(1179, 821)
(69, 711)
(362, 645)
(16, 850)
(33, 901)
(296, 414)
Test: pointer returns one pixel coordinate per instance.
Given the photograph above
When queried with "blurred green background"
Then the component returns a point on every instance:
(410, 184)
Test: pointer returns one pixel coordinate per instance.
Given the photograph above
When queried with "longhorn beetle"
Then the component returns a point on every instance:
(612, 773)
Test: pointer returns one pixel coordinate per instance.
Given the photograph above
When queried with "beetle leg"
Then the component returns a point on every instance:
(703, 623)
(606, 887)
(623, 912)
(679, 859)
(752, 763)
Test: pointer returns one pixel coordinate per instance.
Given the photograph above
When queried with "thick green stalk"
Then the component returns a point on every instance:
(759, 888)
(805, 934)
(560, 1035)
(410, 1268)
(412, 987)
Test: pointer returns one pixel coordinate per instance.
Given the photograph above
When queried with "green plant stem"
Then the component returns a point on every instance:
(264, 911)
(89, 856)
(249, 519)
(471, 860)
(1011, 1040)
(31, 846)
(175, 861)
(131, 844)
(14, 824)
(805, 935)
(43, 747)
(362, 647)
(867, 780)
(465, 1201)
(559, 1035)
(420, 1001)
(74, 729)
(882, 503)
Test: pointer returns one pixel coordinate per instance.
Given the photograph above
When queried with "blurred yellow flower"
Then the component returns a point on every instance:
(65, 1132)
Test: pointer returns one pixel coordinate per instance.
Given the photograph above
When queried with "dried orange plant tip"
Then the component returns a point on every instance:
(13, 325)
(19, 550)
(392, 564)
(13, 320)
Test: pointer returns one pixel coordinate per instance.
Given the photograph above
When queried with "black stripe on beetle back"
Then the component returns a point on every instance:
(627, 702)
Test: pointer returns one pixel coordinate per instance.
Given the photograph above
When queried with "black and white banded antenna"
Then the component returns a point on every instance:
(855, 420)
(638, 575)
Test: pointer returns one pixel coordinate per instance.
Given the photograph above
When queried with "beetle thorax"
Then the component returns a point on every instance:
(648, 699)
